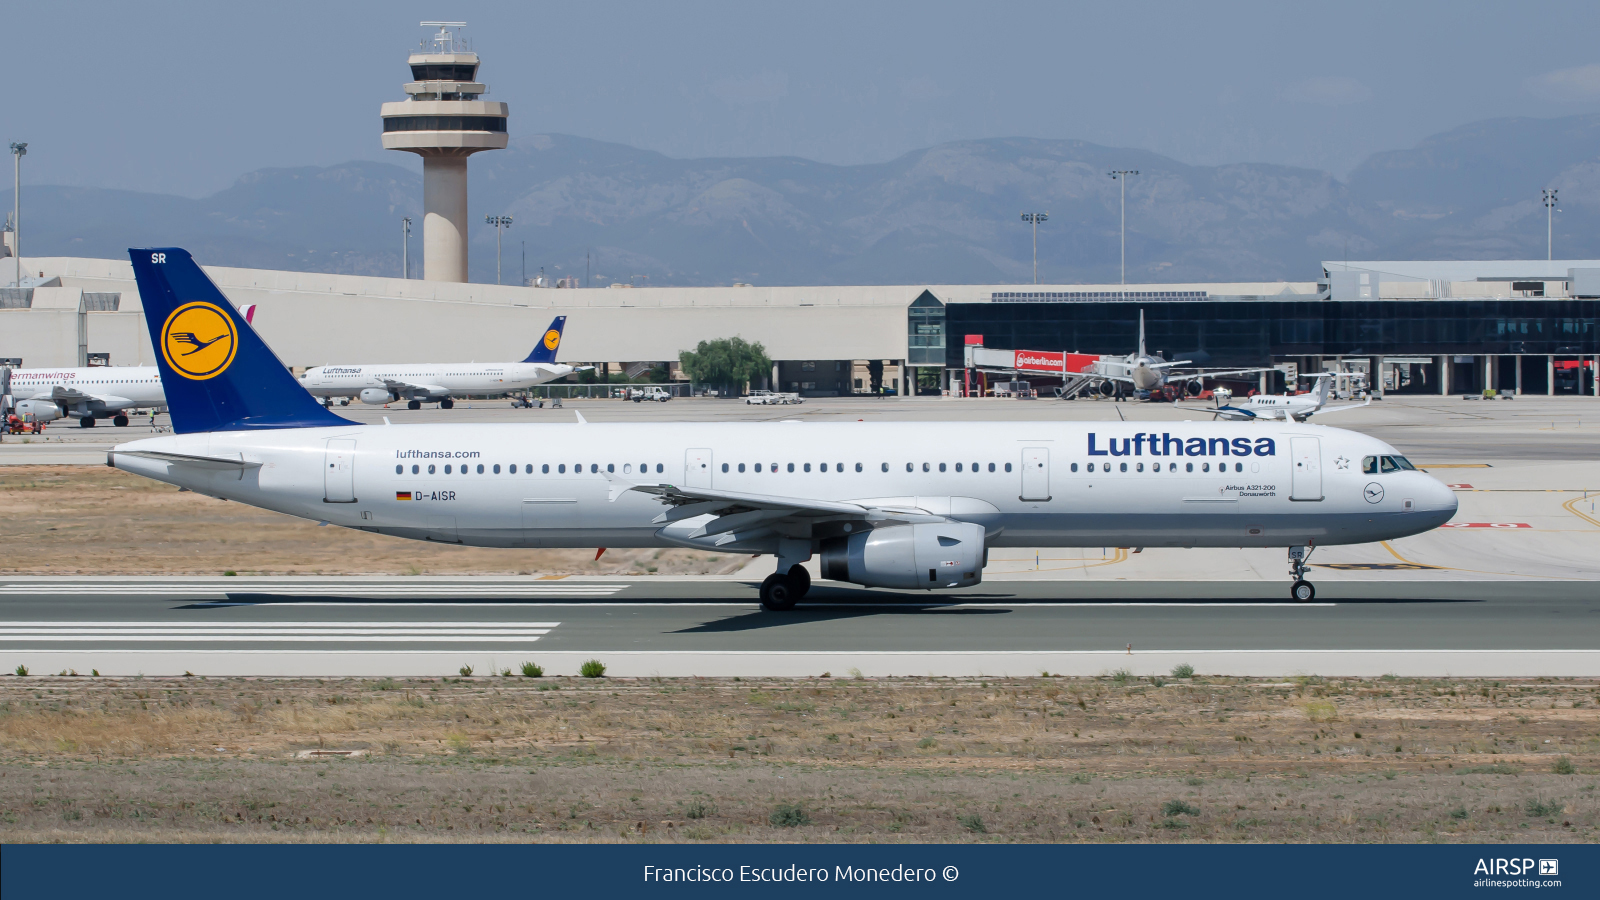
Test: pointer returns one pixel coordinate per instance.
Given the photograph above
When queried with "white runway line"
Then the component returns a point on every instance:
(17, 633)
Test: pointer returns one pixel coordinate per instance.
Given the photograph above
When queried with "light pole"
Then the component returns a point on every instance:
(1121, 175)
(18, 151)
(1034, 219)
(500, 223)
(405, 247)
(1549, 222)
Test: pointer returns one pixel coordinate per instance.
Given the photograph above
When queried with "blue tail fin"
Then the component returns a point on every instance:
(217, 373)
(545, 352)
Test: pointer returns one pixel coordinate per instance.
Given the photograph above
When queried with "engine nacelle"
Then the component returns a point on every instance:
(1194, 388)
(376, 396)
(1106, 388)
(40, 410)
(936, 555)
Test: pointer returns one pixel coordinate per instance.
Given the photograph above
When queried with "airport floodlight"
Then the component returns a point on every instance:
(18, 150)
(500, 223)
(1549, 222)
(1034, 219)
(1121, 175)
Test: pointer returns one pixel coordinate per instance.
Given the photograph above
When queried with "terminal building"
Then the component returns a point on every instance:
(1421, 326)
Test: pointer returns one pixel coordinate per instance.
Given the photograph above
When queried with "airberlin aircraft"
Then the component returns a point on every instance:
(907, 505)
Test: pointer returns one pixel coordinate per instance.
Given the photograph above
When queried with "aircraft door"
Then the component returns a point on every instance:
(697, 468)
(339, 472)
(1035, 473)
(1307, 476)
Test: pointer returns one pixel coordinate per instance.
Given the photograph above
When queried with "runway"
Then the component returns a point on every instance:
(680, 627)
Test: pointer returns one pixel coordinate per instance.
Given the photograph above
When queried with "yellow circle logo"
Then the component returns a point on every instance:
(551, 339)
(199, 340)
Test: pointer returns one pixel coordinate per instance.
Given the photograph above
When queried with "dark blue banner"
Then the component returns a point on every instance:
(239, 872)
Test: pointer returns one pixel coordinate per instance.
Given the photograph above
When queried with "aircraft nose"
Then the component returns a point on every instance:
(1441, 501)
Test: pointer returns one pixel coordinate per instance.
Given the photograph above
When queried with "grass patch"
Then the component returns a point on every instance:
(1496, 769)
(973, 823)
(1540, 808)
(788, 815)
(1183, 670)
(593, 668)
(1563, 766)
(532, 670)
(1179, 808)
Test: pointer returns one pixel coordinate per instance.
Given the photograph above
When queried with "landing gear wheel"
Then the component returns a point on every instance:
(413, 404)
(447, 403)
(120, 421)
(799, 580)
(86, 422)
(1303, 592)
(777, 594)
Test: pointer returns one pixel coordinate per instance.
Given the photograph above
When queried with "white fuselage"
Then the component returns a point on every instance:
(1061, 484)
(430, 381)
(91, 390)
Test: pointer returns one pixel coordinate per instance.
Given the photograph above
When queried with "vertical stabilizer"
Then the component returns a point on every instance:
(545, 350)
(1141, 334)
(217, 373)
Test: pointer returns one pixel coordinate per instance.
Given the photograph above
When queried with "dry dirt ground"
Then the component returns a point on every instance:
(510, 758)
(48, 514)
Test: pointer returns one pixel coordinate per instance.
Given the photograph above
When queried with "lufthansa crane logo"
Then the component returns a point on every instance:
(551, 339)
(199, 340)
(1373, 492)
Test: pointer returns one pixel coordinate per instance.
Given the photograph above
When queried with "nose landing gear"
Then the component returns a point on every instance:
(1302, 591)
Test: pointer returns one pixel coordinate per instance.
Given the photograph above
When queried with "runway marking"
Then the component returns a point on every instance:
(313, 590)
(1571, 506)
(287, 632)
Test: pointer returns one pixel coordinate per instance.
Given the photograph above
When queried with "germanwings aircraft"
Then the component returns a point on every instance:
(1285, 407)
(86, 394)
(908, 505)
(417, 383)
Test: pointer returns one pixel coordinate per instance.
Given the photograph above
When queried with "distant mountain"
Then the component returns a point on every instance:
(947, 214)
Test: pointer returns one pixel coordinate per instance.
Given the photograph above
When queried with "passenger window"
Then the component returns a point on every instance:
(399, 470)
(741, 468)
(562, 468)
(925, 467)
(724, 467)
(1140, 467)
(1074, 467)
(885, 467)
(958, 467)
(480, 468)
(1188, 467)
(627, 468)
(824, 467)
(496, 468)
(908, 467)
(430, 468)
(611, 467)
(974, 467)
(447, 468)
(1008, 467)
(1124, 467)
(791, 467)
(545, 469)
(941, 467)
(758, 467)
(1238, 467)
(514, 468)
(1369, 465)
(464, 469)
(839, 467)
(858, 467)
(1205, 467)
(807, 467)
(991, 467)
(594, 468)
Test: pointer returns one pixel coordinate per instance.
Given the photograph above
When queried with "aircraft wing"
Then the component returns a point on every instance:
(1329, 409)
(403, 387)
(733, 511)
(1213, 373)
(1231, 413)
(63, 394)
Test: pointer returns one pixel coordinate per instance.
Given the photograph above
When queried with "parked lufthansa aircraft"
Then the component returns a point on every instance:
(907, 505)
(418, 383)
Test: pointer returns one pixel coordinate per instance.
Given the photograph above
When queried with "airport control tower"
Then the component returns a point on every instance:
(443, 121)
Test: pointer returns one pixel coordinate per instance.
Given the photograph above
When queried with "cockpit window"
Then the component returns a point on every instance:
(1396, 464)
(1369, 465)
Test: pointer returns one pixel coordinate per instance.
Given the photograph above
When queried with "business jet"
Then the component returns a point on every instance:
(86, 393)
(1285, 407)
(906, 505)
(418, 383)
(1147, 373)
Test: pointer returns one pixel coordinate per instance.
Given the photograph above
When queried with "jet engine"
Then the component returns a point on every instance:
(41, 410)
(931, 555)
(1106, 388)
(376, 396)
(1194, 387)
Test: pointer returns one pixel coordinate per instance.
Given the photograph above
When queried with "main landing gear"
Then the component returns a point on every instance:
(447, 403)
(1302, 590)
(782, 592)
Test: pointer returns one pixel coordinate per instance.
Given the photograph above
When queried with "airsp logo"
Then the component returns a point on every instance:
(199, 340)
(551, 339)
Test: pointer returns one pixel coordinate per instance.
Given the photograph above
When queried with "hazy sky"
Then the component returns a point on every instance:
(185, 97)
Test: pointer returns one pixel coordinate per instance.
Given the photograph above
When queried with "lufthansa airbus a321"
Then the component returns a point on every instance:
(908, 505)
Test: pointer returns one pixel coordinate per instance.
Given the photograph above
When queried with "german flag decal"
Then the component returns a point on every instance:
(402, 495)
